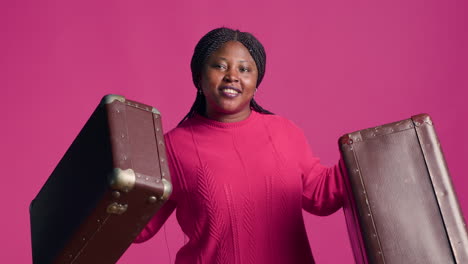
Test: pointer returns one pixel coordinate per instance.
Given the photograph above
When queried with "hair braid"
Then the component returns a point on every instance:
(208, 44)
(258, 108)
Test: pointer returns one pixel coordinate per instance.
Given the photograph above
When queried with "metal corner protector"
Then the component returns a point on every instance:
(167, 189)
(155, 111)
(107, 99)
(122, 180)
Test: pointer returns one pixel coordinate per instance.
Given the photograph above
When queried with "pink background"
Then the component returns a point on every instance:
(333, 67)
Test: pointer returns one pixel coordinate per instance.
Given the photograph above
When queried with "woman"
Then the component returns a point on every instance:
(241, 175)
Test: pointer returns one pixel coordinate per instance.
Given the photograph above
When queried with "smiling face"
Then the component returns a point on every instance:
(228, 82)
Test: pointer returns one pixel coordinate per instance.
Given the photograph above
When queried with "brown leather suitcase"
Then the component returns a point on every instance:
(104, 190)
(401, 207)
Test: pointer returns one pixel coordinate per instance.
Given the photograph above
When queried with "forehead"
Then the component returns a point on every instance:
(232, 50)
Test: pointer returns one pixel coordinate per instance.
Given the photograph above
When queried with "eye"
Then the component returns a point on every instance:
(219, 66)
(244, 69)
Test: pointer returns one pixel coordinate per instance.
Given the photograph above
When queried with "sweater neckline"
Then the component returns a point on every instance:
(226, 125)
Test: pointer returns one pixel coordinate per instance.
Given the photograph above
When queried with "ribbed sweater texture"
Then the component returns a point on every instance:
(239, 190)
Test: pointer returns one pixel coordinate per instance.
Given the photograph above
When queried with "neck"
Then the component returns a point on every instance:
(229, 118)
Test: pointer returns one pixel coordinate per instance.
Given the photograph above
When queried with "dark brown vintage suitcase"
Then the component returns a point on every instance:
(401, 206)
(104, 190)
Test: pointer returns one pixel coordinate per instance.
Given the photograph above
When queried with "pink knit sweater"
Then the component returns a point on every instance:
(239, 190)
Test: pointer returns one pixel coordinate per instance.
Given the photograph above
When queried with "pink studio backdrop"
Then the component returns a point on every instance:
(333, 67)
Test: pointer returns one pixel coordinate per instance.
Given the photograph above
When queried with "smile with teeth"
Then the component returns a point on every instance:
(230, 92)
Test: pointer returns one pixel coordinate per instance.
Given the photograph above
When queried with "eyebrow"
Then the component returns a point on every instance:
(222, 58)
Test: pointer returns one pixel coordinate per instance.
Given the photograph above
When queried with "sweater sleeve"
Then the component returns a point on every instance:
(322, 186)
(156, 222)
(166, 210)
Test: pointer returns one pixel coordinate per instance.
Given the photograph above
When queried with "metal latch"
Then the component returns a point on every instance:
(116, 208)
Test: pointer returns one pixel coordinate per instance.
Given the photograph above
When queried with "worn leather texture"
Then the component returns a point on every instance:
(400, 206)
(83, 214)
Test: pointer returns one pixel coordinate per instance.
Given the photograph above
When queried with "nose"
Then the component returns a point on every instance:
(231, 76)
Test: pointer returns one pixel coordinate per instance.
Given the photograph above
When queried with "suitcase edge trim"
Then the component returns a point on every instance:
(449, 207)
(368, 256)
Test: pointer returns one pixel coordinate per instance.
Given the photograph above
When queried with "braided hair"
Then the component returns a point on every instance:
(208, 44)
